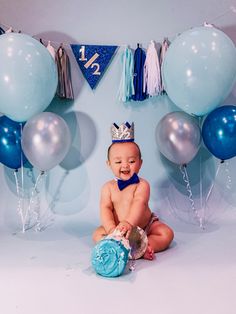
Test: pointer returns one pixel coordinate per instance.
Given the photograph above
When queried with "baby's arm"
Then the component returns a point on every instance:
(139, 204)
(137, 209)
(106, 209)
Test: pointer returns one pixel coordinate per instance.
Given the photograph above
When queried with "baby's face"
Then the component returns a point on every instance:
(124, 160)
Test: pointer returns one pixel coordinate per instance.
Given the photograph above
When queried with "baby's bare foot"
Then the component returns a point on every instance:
(149, 254)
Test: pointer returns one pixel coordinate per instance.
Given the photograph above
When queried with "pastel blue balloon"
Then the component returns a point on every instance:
(219, 132)
(199, 69)
(28, 76)
(11, 154)
(109, 258)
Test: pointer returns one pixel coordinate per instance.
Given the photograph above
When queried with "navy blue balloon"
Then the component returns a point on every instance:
(10, 143)
(219, 132)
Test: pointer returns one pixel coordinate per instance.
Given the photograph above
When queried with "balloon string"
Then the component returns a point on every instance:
(200, 170)
(203, 212)
(30, 175)
(52, 205)
(232, 9)
(22, 181)
(202, 223)
(213, 184)
(190, 196)
(46, 218)
(229, 179)
(200, 167)
(35, 211)
(19, 206)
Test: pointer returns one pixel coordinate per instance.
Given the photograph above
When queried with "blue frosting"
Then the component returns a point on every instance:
(109, 258)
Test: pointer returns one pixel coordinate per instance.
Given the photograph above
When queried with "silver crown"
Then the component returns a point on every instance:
(122, 133)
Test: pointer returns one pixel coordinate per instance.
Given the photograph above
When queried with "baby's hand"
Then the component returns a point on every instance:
(125, 228)
(111, 230)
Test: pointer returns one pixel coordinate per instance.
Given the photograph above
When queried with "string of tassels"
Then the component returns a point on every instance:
(141, 72)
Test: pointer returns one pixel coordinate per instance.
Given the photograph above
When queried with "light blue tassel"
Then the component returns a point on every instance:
(126, 88)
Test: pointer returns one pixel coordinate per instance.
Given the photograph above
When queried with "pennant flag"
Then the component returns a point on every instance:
(93, 61)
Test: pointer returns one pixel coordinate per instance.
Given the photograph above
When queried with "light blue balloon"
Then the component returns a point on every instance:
(199, 69)
(28, 76)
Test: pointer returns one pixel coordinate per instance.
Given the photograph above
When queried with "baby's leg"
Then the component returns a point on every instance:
(159, 238)
(99, 233)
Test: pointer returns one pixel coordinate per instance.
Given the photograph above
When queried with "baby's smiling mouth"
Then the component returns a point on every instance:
(125, 172)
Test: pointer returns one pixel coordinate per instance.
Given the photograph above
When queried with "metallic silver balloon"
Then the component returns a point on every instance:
(46, 140)
(178, 137)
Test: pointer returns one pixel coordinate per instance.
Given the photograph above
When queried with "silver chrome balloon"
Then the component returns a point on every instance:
(178, 137)
(46, 140)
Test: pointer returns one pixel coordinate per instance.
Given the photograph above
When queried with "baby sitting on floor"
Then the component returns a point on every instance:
(124, 199)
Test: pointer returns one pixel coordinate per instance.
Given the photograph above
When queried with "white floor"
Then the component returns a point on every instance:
(50, 272)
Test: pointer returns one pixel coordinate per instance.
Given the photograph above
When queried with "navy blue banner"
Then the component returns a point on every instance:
(93, 61)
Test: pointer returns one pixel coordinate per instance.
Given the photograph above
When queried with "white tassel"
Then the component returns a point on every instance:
(51, 50)
(152, 75)
(164, 47)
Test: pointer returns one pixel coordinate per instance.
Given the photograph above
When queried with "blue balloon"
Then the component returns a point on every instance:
(28, 76)
(219, 132)
(199, 69)
(11, 154)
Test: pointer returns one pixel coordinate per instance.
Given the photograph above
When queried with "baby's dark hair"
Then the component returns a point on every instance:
(112, 144)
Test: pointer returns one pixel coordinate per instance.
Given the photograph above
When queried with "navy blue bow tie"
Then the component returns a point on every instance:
(122, 184)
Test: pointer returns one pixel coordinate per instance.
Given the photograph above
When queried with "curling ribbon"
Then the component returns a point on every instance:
(213, 183)
(229, 179)
(190, 196)
(35, 212)
(19, 196)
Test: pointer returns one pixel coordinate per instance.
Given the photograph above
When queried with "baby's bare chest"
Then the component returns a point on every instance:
(122, 200)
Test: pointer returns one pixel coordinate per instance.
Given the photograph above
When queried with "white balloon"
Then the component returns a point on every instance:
(45, 140)
(178, 137)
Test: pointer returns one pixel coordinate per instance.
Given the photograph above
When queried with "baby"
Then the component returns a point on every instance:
(124, 200)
